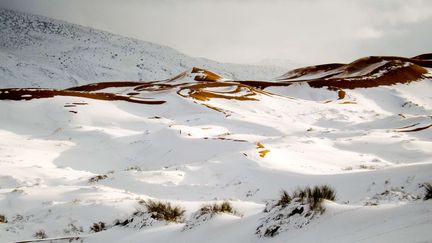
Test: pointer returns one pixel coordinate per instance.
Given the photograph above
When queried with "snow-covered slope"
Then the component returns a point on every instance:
(40, 52)
(71, 159)
(84, 163)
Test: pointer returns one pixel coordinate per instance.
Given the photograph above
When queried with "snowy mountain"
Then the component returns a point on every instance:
(204, 157)
(41, 52)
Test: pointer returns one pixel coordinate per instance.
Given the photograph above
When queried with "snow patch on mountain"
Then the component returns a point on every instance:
(36, 51)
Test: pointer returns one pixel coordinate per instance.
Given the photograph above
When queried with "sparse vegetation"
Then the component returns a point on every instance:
(428, 189)
(17, 190)
(73, 229)
(164, 211)
(97, 178)
(97, 227)
(285, 199)
(224, 207)
(294, 211)
(314, 196)
(133, 168)
(207, 212)
(3, 219)
(40, 234)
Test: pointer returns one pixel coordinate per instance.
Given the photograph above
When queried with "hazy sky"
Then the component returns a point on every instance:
(306, 31)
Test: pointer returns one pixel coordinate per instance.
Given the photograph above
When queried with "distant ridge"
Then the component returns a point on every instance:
(36, 51)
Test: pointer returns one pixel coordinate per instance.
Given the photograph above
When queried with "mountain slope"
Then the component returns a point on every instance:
(36, 51)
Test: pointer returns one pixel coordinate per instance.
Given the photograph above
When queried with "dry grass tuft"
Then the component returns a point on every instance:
(97, 227)
(40, 234)
(428, 189)
(224, 207)
(164, 211)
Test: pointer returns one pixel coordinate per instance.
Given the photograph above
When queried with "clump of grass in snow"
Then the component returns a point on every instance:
(40, 234)
(164, 211)
(97, 227)
(314, 196)
(97, 178)
(224, 207)
(428, 189)
(295, 210)
(284, 199)
(3, 219)
(100, 177)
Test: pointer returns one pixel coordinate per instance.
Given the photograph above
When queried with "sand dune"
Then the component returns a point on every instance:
(203, 84)
(92, 153)
(366, 72)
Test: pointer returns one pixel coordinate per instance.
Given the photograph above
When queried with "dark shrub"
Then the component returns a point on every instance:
(284, 199)
(97, 227)
(428, 189)
(315, 196)
(97, 178)
(40, 234)
(224, 207)
(164, 211)
(3, 219)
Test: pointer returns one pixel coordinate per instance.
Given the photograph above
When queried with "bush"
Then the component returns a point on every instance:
(294, 211)
(97, 178)
(207, 212)
(284, 199)
(428, 189)
(3, 219)
(40, 234)
(314, 196)
(224, 207)
(164, 211)
(97, 227)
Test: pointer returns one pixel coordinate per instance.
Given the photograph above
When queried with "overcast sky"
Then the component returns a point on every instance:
(247, 31)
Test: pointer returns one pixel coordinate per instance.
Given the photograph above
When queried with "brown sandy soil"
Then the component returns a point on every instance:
(311, 70)
(413, 125)
(260, 145)
(366, 72)
(204, 91)
(229, 139)
(104, 85)
(415, 129)
(205, 75)
(341, 94)
(29, 94)
(263, 153)
(348, 103)
(427, 56)
(383, 70)
(400, 74)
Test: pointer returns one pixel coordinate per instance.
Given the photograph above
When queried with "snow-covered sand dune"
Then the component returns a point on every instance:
(70, 159)
(83, 162)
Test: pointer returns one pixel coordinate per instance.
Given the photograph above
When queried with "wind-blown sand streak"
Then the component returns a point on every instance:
(29, 94)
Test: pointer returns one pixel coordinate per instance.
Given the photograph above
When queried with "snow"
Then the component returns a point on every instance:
(61, 172)
(189, 154)
(40, 52)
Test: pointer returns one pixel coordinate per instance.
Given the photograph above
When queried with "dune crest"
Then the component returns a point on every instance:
(365, 72)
